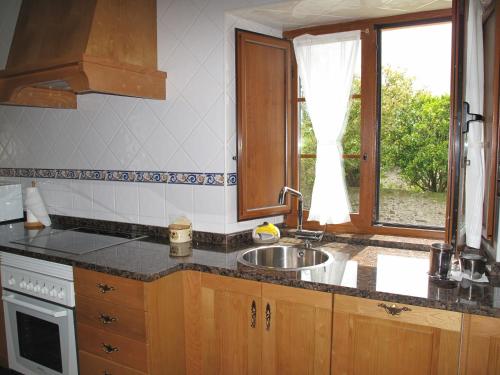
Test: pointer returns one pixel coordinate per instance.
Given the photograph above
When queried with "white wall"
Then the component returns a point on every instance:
(192, 131)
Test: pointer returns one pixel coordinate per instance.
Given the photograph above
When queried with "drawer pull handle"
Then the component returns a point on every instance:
(253, 311)
(105, 288)
(268, 317)
(108, 348)
(106, 373)
(393, 309)
(106, 319)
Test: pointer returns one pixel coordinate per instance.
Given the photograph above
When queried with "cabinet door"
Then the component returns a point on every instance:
(230, 325)
(264, 113)
(369, 340)
(297, 331)
(480, 346)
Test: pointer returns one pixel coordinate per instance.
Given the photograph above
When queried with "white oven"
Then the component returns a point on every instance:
(38, 301)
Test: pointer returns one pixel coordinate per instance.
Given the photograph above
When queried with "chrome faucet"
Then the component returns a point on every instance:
(298, 194)
(307, 235)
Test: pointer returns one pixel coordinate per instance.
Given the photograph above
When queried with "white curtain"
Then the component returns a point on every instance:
(474, 92)
(326, 67)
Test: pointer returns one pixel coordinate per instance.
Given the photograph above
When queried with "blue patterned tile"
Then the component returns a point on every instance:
(8, 172)
(122, 176)
(232, 179)
(88, 174)
(152, 176)
(45, 173)
(25, 172)
(70, 174)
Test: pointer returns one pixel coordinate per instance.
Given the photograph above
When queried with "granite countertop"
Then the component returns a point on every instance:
(366, 271)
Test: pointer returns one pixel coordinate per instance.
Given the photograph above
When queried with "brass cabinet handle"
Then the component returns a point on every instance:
(105, 288)
(253, 311)
(106, 319)
(106, 373)
(268, 316)
(393, 309)
(108, 348)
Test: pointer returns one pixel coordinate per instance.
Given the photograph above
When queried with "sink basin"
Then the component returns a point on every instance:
(284, 258)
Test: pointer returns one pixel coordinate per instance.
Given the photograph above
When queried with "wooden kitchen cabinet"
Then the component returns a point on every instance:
(127, 326)
(368, 340)
(296, 331)
(480, 346)
(249, 327)
(231, 321)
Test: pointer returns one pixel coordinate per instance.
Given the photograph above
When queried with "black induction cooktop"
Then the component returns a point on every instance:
(76, 241)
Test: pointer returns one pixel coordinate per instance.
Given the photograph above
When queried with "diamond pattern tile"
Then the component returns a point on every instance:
(180, 15)
(202, 38)
(142, 121)
(107, 124)
(94, 146)
(181, 120)
(202, 146)
(202, 92)
(124, 146)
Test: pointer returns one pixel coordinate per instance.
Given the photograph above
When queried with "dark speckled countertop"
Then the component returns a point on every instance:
(373, 272)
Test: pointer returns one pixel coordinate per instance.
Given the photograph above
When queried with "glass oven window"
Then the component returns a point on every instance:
(39, 341)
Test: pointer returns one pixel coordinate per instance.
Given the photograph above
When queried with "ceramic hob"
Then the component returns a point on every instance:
(76, 241)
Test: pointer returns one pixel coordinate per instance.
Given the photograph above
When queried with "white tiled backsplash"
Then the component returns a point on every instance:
(194, 130)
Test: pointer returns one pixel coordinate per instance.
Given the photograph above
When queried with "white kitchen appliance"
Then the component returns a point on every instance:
(38, 301)
(11, 202)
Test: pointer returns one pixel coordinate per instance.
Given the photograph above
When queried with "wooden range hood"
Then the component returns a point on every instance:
(66, 47)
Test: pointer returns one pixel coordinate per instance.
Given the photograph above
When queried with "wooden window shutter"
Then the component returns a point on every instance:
(264, 114)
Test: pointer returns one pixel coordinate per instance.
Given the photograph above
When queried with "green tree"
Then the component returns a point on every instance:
(417, 142)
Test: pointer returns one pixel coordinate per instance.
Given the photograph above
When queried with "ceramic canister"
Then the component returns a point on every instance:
(181, 249)
(180, 233)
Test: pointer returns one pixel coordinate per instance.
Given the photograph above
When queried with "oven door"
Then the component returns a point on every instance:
(40, 336)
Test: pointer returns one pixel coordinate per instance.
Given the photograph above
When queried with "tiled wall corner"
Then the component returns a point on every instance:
(185, 133)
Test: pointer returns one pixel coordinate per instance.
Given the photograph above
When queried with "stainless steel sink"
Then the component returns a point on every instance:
(284, 258)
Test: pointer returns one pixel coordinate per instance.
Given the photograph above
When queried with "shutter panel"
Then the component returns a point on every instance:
(264, 103)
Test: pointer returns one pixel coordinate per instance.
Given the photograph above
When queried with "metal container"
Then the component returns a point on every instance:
(440, 260)
(473, 265)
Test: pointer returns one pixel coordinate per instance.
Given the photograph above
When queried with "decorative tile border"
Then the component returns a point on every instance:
(231, 179)
(184, 178)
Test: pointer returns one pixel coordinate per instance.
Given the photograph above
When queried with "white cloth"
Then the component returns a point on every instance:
(326, 66)
(474, 92)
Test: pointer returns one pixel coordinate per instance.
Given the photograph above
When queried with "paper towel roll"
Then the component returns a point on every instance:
(35, 207)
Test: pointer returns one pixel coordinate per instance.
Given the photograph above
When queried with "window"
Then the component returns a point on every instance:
(414, 119)
(393, 188)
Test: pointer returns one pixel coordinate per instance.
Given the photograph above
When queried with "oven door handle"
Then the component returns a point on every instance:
(11, 298)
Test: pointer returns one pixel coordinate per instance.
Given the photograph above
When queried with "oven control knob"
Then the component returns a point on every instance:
(37, 288)
(29, 286)
(53, 292)
(61, 294)
(45, 290)
(22, 284)
(11, 281)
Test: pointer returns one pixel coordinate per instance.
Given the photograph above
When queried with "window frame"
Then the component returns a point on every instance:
(363, 222)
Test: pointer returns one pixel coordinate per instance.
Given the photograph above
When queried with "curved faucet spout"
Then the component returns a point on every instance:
(298, 194)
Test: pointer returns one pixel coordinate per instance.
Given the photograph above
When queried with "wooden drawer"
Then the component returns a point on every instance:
(422, 316)
(128, 352)
(111, 318)
(93, 365)
(113, 289)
